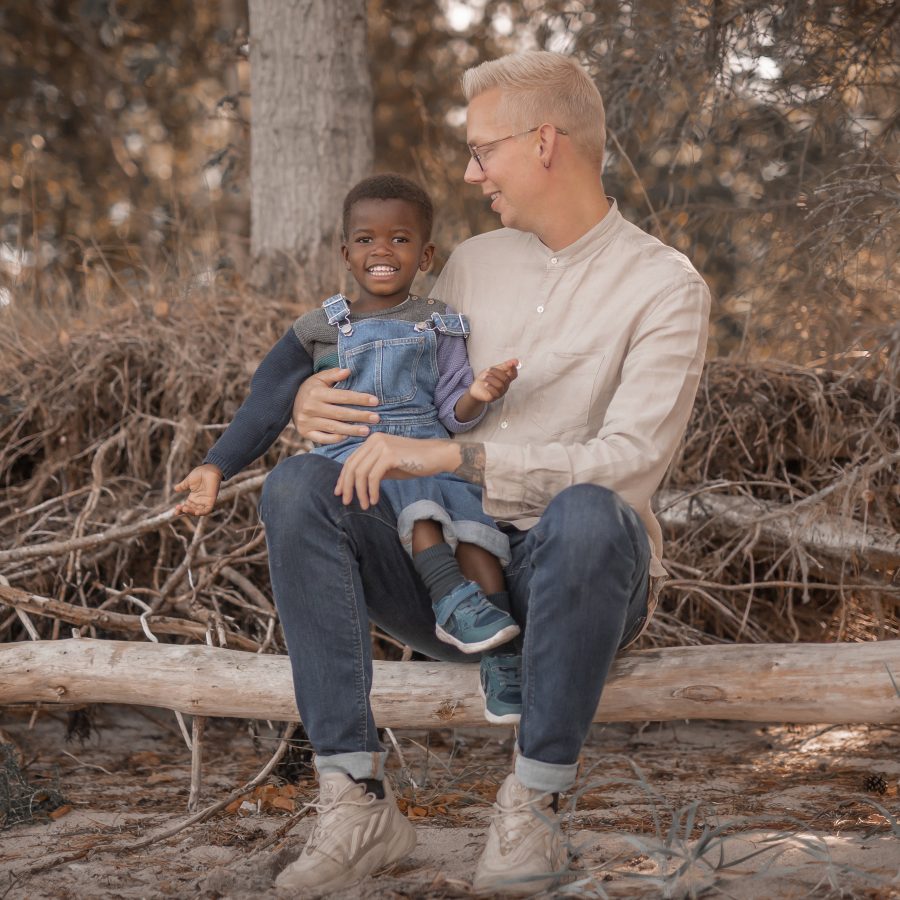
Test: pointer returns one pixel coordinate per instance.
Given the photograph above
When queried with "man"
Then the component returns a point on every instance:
(610, 327)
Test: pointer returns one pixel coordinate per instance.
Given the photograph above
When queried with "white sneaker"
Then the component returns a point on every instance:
(524, 852)
(356, 833)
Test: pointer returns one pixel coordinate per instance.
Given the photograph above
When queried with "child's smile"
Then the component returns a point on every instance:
(384, 250)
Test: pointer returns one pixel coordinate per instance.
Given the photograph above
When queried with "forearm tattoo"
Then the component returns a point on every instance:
(472, 466)
(410, 465)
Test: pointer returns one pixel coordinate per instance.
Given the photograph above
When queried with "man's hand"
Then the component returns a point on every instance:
(321, 411)
(389, 456)
(494, 382)
(203, 484)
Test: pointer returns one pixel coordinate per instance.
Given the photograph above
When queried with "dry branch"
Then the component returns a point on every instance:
(111, 621)
(821, 683)
(119, 532)
(818, 532)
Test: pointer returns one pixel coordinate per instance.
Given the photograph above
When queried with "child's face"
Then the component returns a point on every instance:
(385, 248)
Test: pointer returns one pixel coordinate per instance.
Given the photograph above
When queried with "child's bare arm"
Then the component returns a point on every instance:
(489, 385)
(203, 484)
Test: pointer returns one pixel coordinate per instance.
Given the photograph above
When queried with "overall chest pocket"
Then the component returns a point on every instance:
(387, 368)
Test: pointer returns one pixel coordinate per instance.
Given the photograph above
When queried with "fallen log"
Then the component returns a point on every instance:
(812, 683)
(818, 532)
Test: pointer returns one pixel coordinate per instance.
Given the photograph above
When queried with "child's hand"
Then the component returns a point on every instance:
(203, 484)
(493, 383)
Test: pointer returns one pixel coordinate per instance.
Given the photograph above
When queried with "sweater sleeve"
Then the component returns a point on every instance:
(455, 376)
(265, 413)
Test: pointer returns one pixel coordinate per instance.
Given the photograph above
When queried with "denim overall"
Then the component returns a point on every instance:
(397, 362)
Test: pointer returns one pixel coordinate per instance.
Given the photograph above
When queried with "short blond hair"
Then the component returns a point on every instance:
(539, 86)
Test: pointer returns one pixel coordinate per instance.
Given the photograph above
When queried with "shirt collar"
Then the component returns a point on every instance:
(591, 242)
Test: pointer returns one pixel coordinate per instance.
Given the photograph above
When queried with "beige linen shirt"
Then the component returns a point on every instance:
(611, 334)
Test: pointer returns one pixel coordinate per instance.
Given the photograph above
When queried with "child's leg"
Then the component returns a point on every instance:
(479, 565)
(465, 616)
(501, 666)
(426, 533)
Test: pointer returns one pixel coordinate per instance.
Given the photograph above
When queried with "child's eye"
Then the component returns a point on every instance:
(401, 240)
(363, 240)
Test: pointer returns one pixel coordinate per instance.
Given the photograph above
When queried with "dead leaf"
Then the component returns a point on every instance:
(59, 812)
(144, 759)
(161, 778)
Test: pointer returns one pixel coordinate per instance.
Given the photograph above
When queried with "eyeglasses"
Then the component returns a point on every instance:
(478, 151)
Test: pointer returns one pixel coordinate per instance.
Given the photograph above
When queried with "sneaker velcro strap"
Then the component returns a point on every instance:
(446, 606)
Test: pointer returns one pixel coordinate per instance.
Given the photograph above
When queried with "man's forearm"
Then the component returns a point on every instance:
(472, 465)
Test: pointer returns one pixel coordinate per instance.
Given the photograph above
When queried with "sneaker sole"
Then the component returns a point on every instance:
(495, 640)
(399, 849)
(507, 719)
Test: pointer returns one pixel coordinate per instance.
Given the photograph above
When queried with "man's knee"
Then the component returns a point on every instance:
(299, 484)
(589, 516)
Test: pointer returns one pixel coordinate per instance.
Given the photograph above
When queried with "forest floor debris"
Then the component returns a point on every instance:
(651, 798)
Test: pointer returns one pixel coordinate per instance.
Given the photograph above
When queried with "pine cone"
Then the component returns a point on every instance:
(876, 783)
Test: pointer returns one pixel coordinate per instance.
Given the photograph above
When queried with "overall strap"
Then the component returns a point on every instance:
(337, 309)
(451, 323)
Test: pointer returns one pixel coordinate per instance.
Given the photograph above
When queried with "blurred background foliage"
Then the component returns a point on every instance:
(756, 137)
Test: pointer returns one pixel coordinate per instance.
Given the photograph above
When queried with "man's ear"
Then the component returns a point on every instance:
(345, 252)
(427, 257)
(546, 144)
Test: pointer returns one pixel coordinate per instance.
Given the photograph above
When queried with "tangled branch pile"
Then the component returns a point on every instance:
(781, 510)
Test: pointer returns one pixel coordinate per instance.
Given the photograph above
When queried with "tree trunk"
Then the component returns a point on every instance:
(822, 683)
(311, 137)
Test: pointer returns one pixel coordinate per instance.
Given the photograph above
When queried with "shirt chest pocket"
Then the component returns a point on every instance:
(387, 368)
(561, 400)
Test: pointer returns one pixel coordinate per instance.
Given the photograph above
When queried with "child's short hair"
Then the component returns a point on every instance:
(390, 187)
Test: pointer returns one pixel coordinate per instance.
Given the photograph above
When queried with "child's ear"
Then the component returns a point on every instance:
(345, 253)
(427, 257)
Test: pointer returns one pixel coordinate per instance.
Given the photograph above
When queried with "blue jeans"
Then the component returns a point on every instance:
(578, 583)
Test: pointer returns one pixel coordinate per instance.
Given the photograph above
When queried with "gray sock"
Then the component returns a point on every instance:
(438, 568)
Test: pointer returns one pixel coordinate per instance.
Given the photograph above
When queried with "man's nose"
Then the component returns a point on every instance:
(473, 173)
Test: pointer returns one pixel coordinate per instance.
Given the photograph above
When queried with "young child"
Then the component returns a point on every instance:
(410, 353)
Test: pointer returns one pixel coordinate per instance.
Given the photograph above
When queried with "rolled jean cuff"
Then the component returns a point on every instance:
(455, 530)
(543, 776)
(362, 764)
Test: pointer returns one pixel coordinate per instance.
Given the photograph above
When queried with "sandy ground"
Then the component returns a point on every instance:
(691, 809)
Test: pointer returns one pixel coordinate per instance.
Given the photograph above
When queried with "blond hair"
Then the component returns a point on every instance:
(543, 87)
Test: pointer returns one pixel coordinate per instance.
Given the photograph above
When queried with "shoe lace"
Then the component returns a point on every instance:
(513, 819)
(502, 675)
(508, 676)
(326, 810)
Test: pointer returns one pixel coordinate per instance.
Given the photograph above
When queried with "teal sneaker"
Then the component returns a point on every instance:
(501, 688)
(469, 621)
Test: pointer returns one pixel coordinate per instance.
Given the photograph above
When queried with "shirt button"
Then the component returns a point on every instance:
(554, 260)
(540, 309)
(504, 424)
